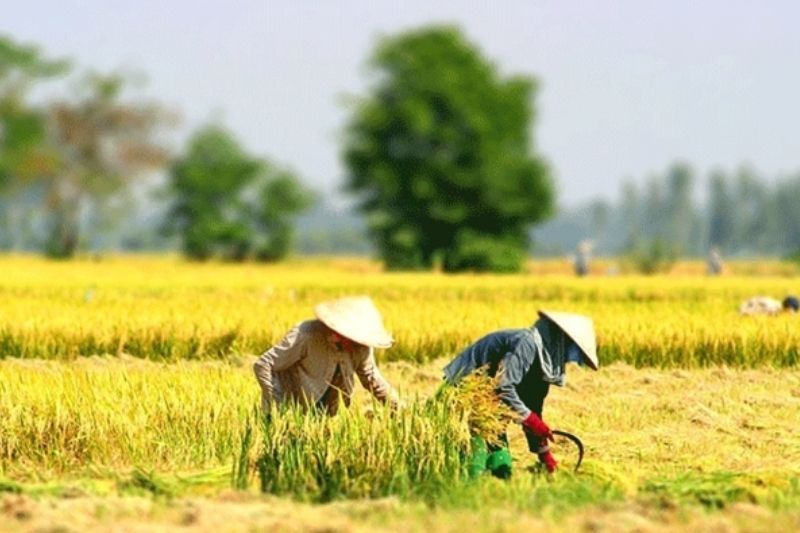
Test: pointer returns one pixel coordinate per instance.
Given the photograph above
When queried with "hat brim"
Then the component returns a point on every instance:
(580, 329)
(355, 318)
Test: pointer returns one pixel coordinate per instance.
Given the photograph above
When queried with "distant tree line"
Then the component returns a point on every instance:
(742, 213)
(440, 160)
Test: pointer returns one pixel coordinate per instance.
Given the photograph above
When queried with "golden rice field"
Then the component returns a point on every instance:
(166, 309)
(127, 402)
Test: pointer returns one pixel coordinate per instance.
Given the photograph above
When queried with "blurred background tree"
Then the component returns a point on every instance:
(23, 152)
(281, 199)
(439, 154)
(679, 207)
(743, 213)
(101, 145)
(785, 207)
(721, 212)
(229, 204)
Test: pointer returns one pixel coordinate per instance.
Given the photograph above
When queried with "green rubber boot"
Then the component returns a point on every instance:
(479, 456)
(499, 463)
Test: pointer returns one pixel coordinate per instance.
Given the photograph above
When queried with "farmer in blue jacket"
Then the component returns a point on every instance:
(525, 362)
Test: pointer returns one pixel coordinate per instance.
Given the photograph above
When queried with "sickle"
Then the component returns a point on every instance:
(575, 440)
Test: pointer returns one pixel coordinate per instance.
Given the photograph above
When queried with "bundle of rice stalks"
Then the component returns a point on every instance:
(487, 416)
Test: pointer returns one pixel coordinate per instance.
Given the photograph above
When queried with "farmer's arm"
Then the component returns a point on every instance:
(372, 380)
(515, 367)
(515, 364)
(518, 364)
(280, 357)
(535, 444)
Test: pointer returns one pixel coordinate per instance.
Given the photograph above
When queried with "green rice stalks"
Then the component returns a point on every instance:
(413, 451)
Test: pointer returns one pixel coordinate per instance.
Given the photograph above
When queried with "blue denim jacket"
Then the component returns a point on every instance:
(526, 361)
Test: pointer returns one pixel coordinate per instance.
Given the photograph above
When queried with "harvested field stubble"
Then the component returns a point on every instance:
(647, 431)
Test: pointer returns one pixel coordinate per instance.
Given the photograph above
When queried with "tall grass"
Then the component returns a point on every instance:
(416, 451)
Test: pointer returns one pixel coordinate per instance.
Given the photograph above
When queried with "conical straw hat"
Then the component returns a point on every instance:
(580, 329)
(356, 318)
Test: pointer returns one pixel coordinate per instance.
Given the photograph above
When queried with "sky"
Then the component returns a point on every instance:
(626, 87)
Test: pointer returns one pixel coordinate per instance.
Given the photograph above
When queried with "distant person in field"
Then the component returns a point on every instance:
(315, 363)
(764, 305)
(525, 362)
(714, 264)
(583, 256)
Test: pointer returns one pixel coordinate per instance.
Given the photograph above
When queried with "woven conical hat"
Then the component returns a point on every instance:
(356, 318)
(580, 329)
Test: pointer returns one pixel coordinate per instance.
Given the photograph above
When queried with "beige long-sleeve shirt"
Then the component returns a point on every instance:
(302, 368)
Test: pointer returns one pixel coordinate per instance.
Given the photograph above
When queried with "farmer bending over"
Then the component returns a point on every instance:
(525, 363)
(314, 363)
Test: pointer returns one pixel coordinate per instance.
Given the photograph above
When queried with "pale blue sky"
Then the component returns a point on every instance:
(626, 86)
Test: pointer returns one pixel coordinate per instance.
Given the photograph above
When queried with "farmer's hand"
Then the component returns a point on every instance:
(549, 461)
(396, 405)
(537, 426)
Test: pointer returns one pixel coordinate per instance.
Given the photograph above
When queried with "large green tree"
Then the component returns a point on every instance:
(229, 204)
(441, 157)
